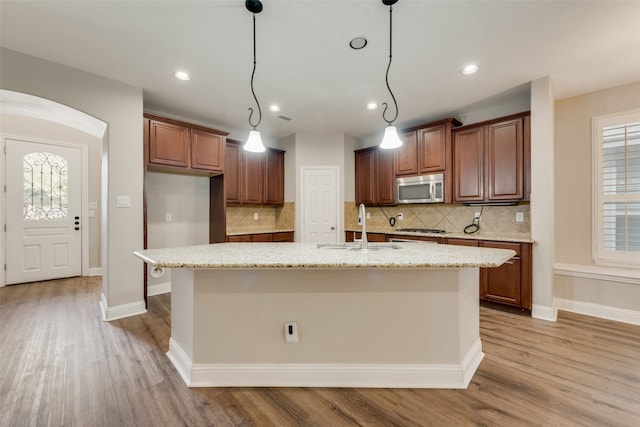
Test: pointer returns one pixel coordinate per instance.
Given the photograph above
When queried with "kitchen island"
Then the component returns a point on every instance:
(401, 316)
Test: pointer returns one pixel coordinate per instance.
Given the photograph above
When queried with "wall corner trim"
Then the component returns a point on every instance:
(159, 289)
(544, 313)
(120, 311)
(598, 310)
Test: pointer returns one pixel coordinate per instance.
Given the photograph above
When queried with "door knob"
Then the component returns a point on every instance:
(332, 228)
(77, 228)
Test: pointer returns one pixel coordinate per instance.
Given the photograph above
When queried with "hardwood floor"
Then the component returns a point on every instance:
(60, 364)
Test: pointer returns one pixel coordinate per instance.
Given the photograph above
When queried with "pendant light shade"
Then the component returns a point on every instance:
(254, 142)
(391, 138)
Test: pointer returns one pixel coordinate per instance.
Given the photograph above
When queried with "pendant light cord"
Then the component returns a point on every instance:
(252, 74)
(389, 122)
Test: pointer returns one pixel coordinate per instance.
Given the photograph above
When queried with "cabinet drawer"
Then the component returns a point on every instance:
(463, 242)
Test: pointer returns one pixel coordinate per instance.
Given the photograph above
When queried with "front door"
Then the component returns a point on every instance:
(320, 203)
(43, 205)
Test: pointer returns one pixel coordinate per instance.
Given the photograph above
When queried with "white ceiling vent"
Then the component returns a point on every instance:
(285, 118)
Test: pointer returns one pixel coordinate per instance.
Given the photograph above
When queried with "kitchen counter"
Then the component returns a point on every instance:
(307, 255)
(500, 237)
(405, 317)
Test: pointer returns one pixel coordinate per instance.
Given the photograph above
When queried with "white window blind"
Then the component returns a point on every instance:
(616, 140)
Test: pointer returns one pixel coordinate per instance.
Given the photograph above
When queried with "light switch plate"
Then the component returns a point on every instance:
(93, 205)
(123, 201)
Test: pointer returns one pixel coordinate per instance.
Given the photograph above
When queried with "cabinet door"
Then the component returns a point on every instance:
(233, 173)
(385, 180)
(505, 160)
(242, 238)
(502, 284)
(207, 151)
(274, 177)
(283, 236)
(468, 164)
(364, 176)
(262, 237)
(406, 157)
(253, 178)
(168, 144)
(432, 149)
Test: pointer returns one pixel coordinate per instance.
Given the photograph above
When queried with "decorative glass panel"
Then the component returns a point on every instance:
(45, 186)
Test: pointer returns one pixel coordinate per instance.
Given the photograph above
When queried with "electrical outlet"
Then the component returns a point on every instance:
(255, 216)
(400, 216)
(476, 215)
(519, 216)
(168, 217)
(291, 332)
(368, 215)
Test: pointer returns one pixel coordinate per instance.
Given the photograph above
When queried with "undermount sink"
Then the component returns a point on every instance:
(358, 246)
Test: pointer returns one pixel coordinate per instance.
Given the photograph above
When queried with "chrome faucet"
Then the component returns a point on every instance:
(362, 220)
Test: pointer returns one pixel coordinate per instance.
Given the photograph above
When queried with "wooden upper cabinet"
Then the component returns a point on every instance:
(274, 177)
(168, 144)
(207, 151)
(406, 157)
(375, 177)
(468, 165)
(365, 165)
(492, 161)
(432, 149)
(384, 179)
(233, 172)
(253, 178)
(178, 147)
(505, 160)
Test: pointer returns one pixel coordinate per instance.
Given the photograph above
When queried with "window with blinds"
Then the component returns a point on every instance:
(616, 140)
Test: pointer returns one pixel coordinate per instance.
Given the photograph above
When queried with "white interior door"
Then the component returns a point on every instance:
(43, 206)
(320, 204)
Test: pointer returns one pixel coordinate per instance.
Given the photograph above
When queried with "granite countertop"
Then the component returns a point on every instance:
(308, 255)
(266, 231)
(502, 237)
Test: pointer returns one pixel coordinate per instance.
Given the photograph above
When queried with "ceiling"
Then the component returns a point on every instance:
(305, 64)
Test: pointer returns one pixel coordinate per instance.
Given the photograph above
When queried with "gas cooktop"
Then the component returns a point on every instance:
(423, 230)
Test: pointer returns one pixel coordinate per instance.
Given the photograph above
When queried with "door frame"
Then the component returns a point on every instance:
(84, 194)
(339, 202)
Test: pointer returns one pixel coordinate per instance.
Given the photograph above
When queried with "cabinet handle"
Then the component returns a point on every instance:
(509, 262)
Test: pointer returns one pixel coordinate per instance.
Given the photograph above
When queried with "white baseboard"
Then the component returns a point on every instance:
(597, 310)
(96, 271)
(120, 311)
(326, 375)
(543, 312)
(159, 289)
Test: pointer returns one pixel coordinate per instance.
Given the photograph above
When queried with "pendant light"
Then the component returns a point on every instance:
(391, 138)
(254, 142)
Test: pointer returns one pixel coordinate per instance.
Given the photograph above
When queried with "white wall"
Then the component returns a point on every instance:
(542, 207)
(186, 198)
(120, 106)
(581, 285)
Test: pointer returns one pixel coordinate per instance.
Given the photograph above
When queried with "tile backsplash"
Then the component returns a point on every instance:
(452, 218)
(240, 219)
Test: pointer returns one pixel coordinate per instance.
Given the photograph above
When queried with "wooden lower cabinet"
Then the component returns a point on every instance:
(507, 286)
(281, 236)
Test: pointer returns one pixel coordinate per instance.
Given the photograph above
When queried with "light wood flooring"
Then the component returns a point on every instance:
(61, 365)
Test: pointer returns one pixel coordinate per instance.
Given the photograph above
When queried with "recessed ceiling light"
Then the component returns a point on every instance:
(372, 106)
(358, 43)
(182, 75)
(274, 108)
(470, 69)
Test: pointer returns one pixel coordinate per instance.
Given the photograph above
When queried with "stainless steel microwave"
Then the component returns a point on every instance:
(420, 189)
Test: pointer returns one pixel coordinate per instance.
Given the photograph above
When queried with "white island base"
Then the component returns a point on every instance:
(359, 327)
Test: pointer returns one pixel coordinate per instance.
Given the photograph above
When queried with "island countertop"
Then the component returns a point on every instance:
(308, 255)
